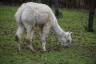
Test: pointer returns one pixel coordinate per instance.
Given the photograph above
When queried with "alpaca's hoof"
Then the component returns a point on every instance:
(66, 46)
(44, 50)
(34, 51)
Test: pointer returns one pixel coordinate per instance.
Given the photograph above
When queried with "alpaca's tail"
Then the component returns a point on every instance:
(19, 14)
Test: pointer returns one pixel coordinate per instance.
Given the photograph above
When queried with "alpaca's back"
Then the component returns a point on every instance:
(34, 13)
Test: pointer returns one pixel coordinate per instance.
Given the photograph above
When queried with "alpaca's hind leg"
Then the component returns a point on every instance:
(44, 34)
(30, 33)
(19, 32)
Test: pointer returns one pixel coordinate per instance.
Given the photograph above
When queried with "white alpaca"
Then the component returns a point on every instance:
(30, 15)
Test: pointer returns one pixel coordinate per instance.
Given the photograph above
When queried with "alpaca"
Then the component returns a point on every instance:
(30, 15)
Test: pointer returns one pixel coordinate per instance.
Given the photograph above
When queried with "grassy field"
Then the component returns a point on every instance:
(82, 50)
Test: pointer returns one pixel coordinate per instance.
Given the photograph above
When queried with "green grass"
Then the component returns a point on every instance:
(82, 51)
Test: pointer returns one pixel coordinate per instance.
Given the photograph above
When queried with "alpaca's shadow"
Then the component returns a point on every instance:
(53, 48)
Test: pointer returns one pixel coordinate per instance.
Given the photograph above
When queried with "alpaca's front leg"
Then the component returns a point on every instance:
(43, 43)
(44, 34)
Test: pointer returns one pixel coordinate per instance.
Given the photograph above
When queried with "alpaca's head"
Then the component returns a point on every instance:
(66, 38)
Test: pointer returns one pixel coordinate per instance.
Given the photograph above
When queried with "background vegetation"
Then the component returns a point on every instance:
(80, 4)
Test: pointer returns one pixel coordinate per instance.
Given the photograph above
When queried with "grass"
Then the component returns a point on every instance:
(82, 51)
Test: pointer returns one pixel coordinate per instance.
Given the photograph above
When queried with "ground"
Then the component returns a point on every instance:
(82, 50)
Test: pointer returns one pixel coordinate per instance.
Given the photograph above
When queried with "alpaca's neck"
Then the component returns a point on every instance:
(58, 30)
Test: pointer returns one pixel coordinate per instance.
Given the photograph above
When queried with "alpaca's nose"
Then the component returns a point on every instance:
(68, 41)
